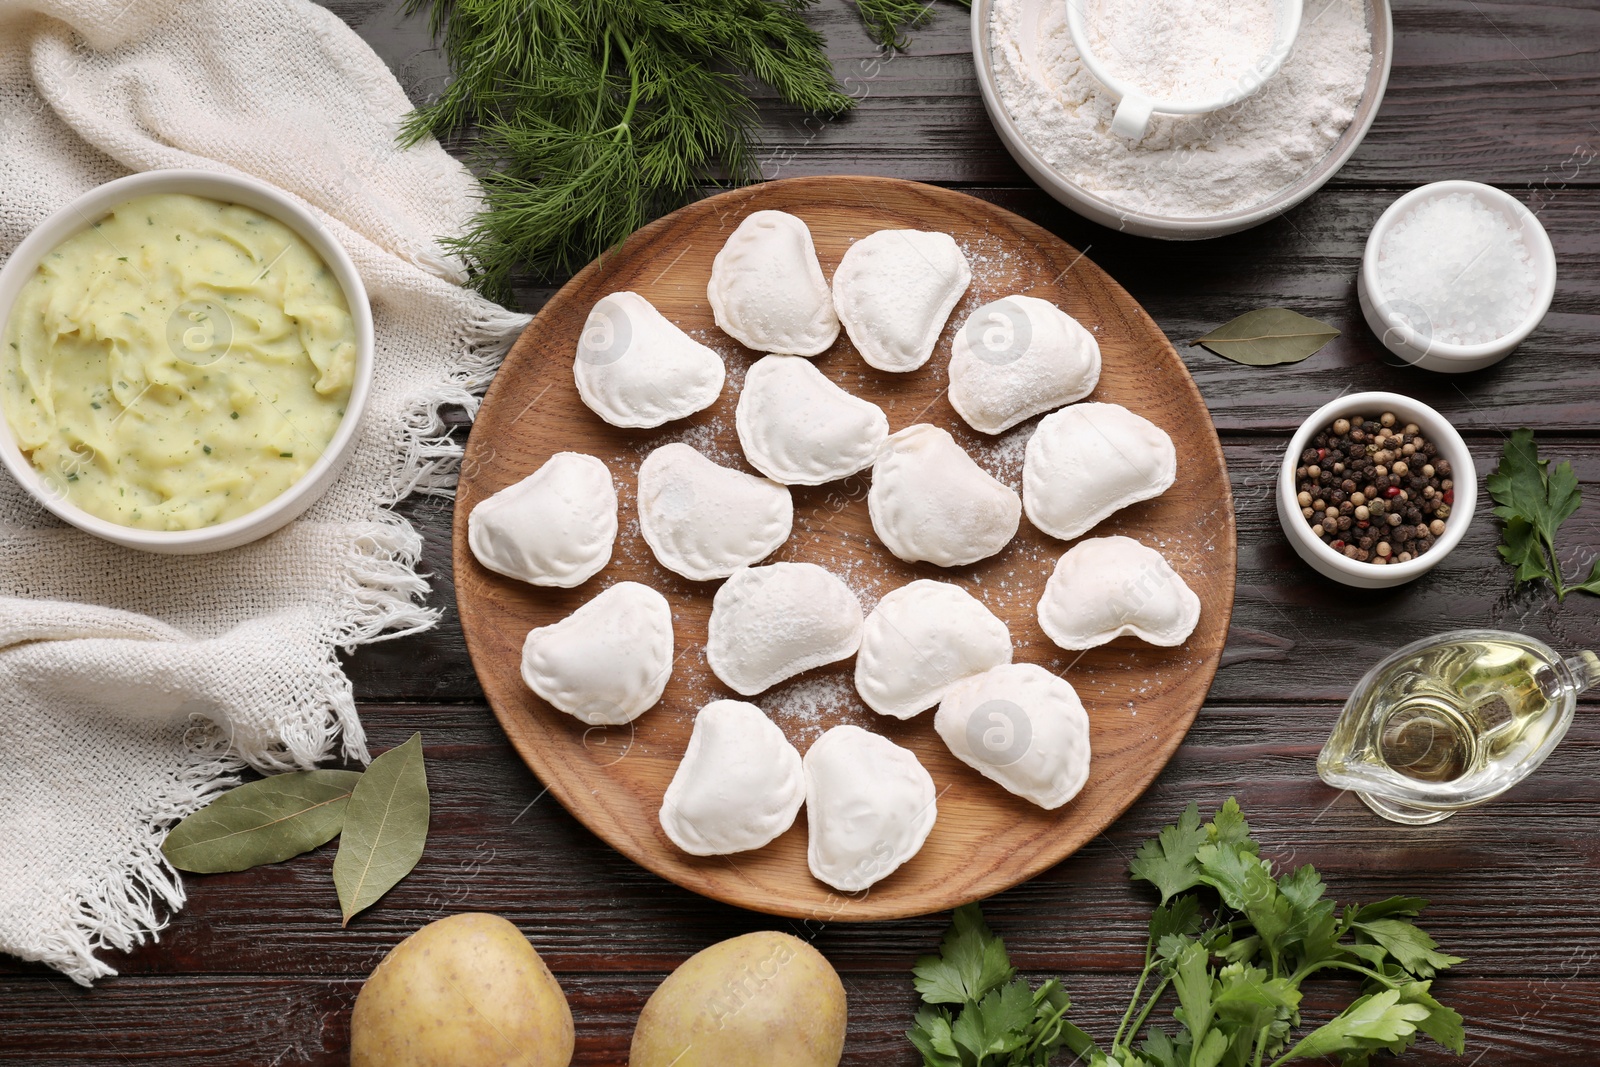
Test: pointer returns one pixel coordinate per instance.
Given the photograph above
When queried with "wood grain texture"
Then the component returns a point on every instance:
(1140, 699)
(255, 970)
(267, 1022)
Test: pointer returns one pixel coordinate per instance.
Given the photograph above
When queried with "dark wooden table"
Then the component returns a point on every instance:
(255, 970)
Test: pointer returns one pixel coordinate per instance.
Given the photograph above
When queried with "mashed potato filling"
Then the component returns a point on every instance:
(179, 363)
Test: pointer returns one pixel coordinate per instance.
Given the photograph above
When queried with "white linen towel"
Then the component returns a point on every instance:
(133, 686)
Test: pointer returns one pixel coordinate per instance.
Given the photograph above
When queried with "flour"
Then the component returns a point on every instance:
(1181, 50)
(1186, 166)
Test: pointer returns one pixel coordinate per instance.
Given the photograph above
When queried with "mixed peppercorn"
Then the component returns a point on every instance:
(1374, 490)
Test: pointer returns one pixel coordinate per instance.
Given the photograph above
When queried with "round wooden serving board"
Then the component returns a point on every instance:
(1141, 699)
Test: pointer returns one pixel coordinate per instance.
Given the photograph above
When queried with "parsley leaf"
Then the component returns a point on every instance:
(1410, 946)
(971, 962)
(1168, 862)
(1374, 1021)
(1533, 499)
(1230, 942)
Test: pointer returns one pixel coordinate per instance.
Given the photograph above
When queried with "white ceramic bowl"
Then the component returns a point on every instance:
(94, 205)
(1435, 428)
(1097, 209)
(1419, 346)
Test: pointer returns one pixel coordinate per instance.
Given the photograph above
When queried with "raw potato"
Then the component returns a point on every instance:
(764, 998)
(466, 991)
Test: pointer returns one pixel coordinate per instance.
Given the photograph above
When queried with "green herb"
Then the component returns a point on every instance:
(593, 115)
(262, 822)
(1002, 1019)
(385, 828)
(887, 20)
(1232, 942)
(1268, 337)
(285, 455)
(1534, 499)
(380, 816)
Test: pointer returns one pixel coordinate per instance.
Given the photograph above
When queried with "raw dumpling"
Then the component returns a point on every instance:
(870, 805)
(1021, 726)
(608, 662)
(1089, 460)
(930, 501)
(921, 639)
(798, 428)
(1105, 587)
(739, 786)
(1017, 357)
(636, 369)
(767, 290)
(770, 623)
(705, 521)
(893, 291)
(554, 528)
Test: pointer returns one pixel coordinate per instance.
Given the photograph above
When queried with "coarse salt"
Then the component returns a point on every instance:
(1456, 271)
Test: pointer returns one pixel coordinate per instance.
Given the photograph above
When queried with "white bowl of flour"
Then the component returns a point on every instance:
(1191, 176)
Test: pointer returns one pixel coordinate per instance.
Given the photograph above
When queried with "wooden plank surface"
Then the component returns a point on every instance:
(256, 970)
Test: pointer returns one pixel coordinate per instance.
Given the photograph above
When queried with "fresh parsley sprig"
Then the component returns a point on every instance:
(1534, 499)
(1231, 941)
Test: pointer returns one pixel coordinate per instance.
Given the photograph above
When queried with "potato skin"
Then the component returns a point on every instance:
(465, 991)
(765, 998)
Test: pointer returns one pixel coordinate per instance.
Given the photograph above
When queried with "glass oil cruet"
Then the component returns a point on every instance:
(1452, 721)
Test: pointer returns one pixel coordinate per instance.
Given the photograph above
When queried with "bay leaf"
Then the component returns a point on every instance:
(262, 822)
(385, 828)
(1267, 337)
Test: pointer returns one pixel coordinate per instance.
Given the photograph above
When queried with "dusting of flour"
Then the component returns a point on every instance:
(1186, 166)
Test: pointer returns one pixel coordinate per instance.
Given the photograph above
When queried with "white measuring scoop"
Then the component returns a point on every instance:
(1135, 105)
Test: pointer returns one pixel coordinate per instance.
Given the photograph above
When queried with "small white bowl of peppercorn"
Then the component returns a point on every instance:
(1376, 489)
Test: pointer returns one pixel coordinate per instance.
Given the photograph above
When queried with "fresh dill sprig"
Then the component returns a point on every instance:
(888, 20)
(592, 116)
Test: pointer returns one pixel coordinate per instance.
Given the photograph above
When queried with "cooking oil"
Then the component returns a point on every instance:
(1453, 721)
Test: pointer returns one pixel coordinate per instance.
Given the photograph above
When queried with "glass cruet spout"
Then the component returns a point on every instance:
(1585, 671)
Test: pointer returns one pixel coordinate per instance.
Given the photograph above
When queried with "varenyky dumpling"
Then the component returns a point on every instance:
(705, 521)
(740, 784)
(930, 502)
(799, 428)
(556, 527)
(1021, 726)
(770, 623)
(1016, 357)
(608, 662)
(767, 290)
(635, 369)
(870, 805)
(1105, 587)
(893, 291)
(921, 639)
(1087, 461)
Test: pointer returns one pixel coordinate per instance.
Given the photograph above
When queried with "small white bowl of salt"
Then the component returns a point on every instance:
(1455, 276)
